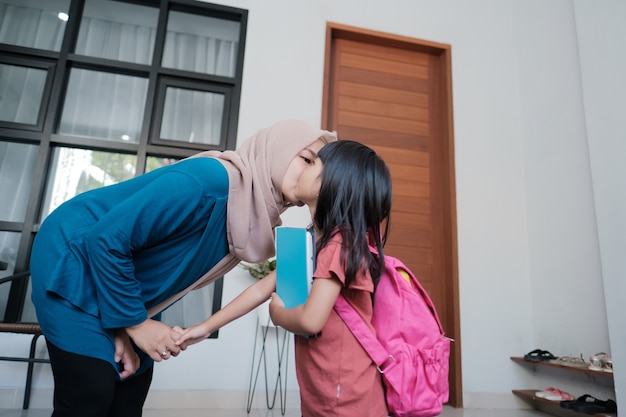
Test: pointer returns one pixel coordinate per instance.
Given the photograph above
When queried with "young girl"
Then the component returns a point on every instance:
(348, 190)
(336, 376)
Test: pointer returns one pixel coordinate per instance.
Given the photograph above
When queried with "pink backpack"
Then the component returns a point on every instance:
(409, 348)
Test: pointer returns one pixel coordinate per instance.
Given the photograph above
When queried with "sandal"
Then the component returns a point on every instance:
(580, 400)
(596, 407)
(545, 392)
(601, 362)
(590, 405)
(554, 394)
(570, 361)
(539, 355)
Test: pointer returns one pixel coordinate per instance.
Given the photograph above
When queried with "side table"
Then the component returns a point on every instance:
(264, 325)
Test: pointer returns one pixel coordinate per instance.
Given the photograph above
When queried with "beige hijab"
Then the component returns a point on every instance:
(255, 201)
(256, 171)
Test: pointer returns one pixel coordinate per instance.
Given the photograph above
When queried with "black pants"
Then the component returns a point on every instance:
(88, 387)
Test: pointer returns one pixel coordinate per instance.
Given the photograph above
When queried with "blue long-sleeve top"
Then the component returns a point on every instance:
(115, 251)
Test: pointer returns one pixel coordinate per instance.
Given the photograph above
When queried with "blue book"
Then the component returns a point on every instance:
(295, 263)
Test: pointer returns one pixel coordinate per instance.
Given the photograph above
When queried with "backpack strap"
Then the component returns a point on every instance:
(363, 334)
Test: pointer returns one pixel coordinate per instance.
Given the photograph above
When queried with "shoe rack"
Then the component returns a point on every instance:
(553, 407)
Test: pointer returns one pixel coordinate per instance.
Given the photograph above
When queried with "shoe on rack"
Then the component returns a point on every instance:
(601, 362)
(589, 404)
(570, 361)
(554, 394)
(583, 399)
(539, 355)
(596, 407)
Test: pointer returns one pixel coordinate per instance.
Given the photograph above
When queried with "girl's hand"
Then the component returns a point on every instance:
(156, 339)
(308, 318)
(276, 306)
(125, 354)
(180, 331)
(194, 334)
(276, 302)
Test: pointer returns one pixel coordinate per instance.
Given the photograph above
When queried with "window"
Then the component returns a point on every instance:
(93, 92)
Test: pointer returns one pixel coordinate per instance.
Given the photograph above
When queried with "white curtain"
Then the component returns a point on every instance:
(21, 90)
(192, 116)
(32, 27)
(116, 40)
(17, 168)
(104, 105)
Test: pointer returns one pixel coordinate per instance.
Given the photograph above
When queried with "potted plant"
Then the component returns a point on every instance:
(260, 270)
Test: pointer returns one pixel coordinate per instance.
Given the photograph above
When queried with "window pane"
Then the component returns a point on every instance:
(74, 171)
(33, 23)
(28, 310)
(119, 31)
(21, 89)
(17, 170)
(192, 116)
(103, 105)
(201, 44)
(192, 309)
(154, 162)
(9, 243)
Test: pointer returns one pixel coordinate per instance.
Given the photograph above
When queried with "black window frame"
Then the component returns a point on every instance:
(45, 132)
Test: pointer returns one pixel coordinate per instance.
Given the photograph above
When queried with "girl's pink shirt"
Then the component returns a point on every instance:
(336, 376)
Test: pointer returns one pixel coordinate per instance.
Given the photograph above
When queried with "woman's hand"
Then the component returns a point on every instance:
(125, 354)
(156, 339)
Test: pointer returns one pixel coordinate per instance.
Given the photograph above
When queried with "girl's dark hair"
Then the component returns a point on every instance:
(354, 200)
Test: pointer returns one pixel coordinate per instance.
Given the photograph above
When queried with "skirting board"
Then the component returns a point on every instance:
(12, 398)
(493, 401)
(194, 399)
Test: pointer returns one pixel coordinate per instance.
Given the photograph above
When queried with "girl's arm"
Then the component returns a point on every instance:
(249, 299)
(310, 317)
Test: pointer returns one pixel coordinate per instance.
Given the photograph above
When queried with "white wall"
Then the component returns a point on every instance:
(601, 38)
(565, 272)
(538, 174)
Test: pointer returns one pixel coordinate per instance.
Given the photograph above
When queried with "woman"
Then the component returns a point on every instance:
(106, 261)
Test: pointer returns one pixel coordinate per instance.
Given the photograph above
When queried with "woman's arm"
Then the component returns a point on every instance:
(245, 302)
(310, 317)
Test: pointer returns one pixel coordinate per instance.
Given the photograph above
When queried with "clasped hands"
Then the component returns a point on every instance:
(156, 339)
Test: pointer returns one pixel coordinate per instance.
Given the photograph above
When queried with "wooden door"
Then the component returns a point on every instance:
(394, 95)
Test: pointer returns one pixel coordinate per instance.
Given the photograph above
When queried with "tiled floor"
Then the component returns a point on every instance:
(448, 412)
